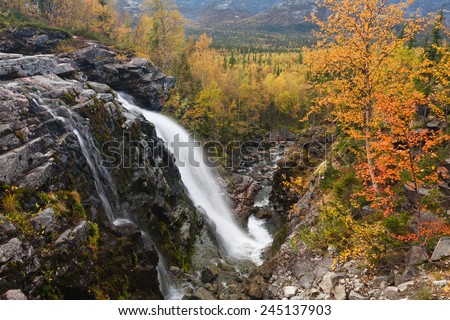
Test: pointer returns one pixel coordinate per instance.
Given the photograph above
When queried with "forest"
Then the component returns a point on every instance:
(376, 79)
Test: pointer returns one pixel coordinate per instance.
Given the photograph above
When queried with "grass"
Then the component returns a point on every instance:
(424, 293)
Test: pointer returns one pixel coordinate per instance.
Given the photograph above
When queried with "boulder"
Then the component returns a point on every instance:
(44, 221)
(77, 235)
(290, 291)
(404, 286)
(254, 291)
(12, 251)
(16, 294)
(263, 213)
(329, 281)
(339, 293)
(391, 293)
(442, 249)
(7, 229)
(416, 255)
(203, 294)
(209, 274)
(356, 296)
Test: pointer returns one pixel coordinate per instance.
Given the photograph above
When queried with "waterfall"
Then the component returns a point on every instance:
(104, 185)
(201, 183)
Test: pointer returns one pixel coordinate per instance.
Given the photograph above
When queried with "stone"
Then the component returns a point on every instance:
(78, 234)
(440, 283)
(329, 281)
(99, 87)
(16, 294)
(404, 286)
(356, 296)
(340, 293)
(444, 187)
(203, 294)
(380, 279)
(7, 229)
(376, 293)
(416, 255)
(263, 213)
(290, 291)
(254, 291)
(11, 251)
(302, 267)
(307, 280)
(209, 274)
(391, 293)
(44, 221)
(301, 296)
(442, 249)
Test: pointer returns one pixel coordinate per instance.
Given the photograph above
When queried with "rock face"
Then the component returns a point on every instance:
(442, 249)
(30, 40)
(69, 248)
(138, 77)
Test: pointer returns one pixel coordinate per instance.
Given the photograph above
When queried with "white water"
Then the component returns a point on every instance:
(201, 184)
(105, 186)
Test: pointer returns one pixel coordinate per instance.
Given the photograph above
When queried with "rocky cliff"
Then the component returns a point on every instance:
(57, 236)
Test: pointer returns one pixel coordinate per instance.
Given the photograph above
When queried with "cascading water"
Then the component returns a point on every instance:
(201, 183)
(105, 187)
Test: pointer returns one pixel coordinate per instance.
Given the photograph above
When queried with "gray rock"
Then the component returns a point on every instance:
(301, 296)
(380, 279)
(442, 249)
(416, 256)
(440, 283)
(263, 213)
(209, 274)
(376, 293)
(356, 296)
(203, 294)
(339, 293)
(290, 291)
(7, 229)
(404, 286)
(302, 267)
(44, 221)
(78, 234)
(254, 291)
(12, 251)
(323, 266)
(329, 281)
(391, 293)
(99, 87)
(16, 294)
(307, 280)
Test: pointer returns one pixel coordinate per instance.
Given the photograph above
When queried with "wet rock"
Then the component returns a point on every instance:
(44, 221)
(16, 294)
(255, 292)
(209, 274)
(263, 213)
(442, 249)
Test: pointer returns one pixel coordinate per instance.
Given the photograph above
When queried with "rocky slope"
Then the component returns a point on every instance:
(57, 238)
